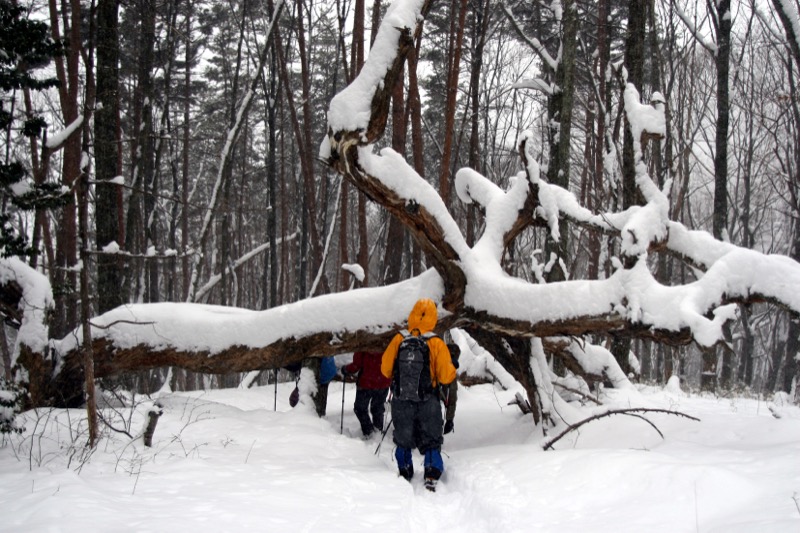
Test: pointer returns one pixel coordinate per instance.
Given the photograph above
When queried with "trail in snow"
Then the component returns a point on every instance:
(224, 460)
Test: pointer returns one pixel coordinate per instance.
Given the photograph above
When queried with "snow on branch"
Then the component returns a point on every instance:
(351, 109)
(394, 173)
(648, 224)
(56, 141)
(787, 12)
(536, 84)
(355, 270)
(216, 278)
(633, 295)
(690, 25)
(533, 42)
(501, 213)
(472, 187)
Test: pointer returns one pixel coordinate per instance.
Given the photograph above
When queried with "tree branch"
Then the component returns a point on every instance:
(630, 412)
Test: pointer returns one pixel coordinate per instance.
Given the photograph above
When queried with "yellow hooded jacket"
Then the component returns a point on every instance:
(422, 319)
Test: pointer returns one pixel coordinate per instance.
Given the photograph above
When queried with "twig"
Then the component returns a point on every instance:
(630, 412)
(112, 324)
(249, 452)
(109, 426)
(579, 393)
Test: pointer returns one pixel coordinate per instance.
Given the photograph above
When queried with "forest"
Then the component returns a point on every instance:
(603, 189)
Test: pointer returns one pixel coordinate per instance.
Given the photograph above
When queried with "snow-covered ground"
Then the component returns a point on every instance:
(226, 460)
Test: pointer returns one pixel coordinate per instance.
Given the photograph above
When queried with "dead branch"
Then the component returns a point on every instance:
(579, 393)
(630, 412)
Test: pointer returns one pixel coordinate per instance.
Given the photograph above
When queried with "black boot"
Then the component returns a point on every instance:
(407, 472)
(432, 475)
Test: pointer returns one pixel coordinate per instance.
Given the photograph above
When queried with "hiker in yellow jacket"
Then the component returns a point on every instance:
(415, 399)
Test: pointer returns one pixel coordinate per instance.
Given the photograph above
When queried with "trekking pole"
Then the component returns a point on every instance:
(275, 407)
(383, 436)
(341, 425)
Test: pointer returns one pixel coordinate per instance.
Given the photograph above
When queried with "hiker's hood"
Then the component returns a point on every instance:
(423, 316)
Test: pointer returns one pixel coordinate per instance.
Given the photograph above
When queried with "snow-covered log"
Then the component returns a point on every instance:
(25, 300)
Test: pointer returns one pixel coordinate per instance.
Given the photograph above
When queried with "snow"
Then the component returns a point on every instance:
(537, 84)
(212, 328)
(533, 42)
(226, 460)
(355, 269)
(350, 109)
(37, 300)
(790, 11)
(59, 138)
(111, 248)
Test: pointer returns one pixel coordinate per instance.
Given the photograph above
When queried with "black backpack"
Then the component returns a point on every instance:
(412, 368)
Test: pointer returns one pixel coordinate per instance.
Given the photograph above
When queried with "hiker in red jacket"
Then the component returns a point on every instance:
(372, 388)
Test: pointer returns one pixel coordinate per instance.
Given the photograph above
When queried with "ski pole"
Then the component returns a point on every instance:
(341, 425)
(383, 436)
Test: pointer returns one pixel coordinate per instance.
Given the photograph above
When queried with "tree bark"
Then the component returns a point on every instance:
(634, 64)
(107, 157)
(453, 69)
(723, 22)
(68, 73)
(395, 236)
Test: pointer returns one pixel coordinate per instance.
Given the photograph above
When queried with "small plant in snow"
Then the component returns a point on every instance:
(11, 397)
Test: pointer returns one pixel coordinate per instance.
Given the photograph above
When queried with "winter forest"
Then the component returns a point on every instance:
(197, 194)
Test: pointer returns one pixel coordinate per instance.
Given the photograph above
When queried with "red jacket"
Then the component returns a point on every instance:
(369, 366)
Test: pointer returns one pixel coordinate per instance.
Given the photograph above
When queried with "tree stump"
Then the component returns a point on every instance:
(152, 419)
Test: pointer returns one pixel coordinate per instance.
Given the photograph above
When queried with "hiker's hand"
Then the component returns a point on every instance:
(448, 427)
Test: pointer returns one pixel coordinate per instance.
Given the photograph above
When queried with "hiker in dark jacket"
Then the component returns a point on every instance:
(449, 392)
(327, 370)
(372, 388)
(424, 411)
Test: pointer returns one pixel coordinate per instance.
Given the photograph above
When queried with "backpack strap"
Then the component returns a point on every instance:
(428, 336)
(405, 333)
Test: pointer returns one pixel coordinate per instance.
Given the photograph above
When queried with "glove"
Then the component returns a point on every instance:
(448, 427)
(348, 377)
(444, 395)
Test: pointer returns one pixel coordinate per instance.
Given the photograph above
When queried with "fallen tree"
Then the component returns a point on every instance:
(518, 322)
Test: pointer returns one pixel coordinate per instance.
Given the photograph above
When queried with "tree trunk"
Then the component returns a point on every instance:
(560, 106)
(64, 278)
(107, 157)
(270, 296)
(514, 355)
(479, 29)
(634, 64)
(457, 25)
(187, 131)
(85, 256)
(722, 22)
(396, 235)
